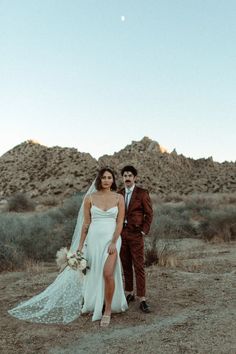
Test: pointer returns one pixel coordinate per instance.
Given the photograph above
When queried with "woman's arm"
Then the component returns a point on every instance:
(119, 224)
(86, 223)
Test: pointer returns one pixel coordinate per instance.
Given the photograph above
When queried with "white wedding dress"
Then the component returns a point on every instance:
(101, 229)
(72, 293)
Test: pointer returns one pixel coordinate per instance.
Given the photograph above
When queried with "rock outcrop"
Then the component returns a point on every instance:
(164, 173)
(41, 171)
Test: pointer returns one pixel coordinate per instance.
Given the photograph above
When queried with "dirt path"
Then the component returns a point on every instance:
(193, 310)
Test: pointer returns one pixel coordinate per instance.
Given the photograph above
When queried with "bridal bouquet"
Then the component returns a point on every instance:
(74, 260)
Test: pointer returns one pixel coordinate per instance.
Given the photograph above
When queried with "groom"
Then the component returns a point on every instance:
(138, 218)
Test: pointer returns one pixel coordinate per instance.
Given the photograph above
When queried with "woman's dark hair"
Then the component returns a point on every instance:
(98, 182)
(129, 168)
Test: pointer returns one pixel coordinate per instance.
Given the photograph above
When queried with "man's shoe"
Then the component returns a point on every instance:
(144, 307)
(129, 298)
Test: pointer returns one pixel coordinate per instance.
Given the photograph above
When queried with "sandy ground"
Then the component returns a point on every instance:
(193, 310)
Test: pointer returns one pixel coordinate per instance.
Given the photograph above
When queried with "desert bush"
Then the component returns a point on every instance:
(207, 201)
(173, 197)
(201, 216)
(162, 252)
(199, 202)
(20, 202)
(70, 206)
(151, 256)
(156, 199)
(36, 236)
(219, 223)
(49, 201)
(171, 222)
(204, 216)
(10, 256)
(228, 198)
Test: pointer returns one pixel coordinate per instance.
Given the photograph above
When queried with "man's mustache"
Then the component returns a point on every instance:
(127, 180)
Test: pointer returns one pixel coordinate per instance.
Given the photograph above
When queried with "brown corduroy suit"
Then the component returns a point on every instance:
(139, 217)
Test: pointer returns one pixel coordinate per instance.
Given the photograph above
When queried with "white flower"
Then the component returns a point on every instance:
(69, 254)
(72, 262)
(82, 264)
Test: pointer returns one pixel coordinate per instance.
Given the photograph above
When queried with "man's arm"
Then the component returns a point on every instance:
(148, 212)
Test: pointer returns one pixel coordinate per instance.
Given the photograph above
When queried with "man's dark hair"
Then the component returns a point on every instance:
(98, 183)
(129, 168)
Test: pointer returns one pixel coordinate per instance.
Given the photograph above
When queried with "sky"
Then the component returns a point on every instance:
(97, 75)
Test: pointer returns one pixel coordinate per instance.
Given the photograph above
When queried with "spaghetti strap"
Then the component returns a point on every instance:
(91, 201)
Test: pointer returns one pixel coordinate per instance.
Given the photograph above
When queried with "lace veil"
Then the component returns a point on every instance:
(62, 300)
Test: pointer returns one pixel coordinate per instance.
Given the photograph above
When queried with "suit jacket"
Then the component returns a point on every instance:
(139, 214)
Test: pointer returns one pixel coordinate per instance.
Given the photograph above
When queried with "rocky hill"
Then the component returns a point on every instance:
(42, 171)
(164, 173)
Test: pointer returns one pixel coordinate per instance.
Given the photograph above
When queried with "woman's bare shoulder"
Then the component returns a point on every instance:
(115, 194)
(88, 198)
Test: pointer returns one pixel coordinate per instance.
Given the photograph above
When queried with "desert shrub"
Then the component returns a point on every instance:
(10, 256)
(37, 230)
(205, 216)
(20, 202)
(156, 199)
(151, 257)
(36, 236)
(49, 201)
(166, 254)
(200, 202)
(162, 251)
(219, 223)
(171, 222)
(70, 206)
(173, 197)
(228, 198)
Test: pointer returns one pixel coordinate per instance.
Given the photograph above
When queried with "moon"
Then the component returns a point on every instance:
(122, 18)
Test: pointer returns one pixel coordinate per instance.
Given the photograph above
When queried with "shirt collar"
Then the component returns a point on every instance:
(129, 189)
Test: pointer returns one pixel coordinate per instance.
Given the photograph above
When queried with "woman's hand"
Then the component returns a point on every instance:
(112, 248)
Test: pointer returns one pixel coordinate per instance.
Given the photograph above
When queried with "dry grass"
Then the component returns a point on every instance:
(32, 266)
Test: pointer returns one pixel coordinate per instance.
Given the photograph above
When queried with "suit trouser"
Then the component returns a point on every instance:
(132, 255)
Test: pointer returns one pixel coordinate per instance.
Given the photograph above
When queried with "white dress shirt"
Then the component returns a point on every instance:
(129, 194)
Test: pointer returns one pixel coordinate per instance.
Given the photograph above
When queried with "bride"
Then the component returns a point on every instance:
(97, 235)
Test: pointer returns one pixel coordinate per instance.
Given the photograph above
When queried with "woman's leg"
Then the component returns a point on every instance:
(108, 274)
